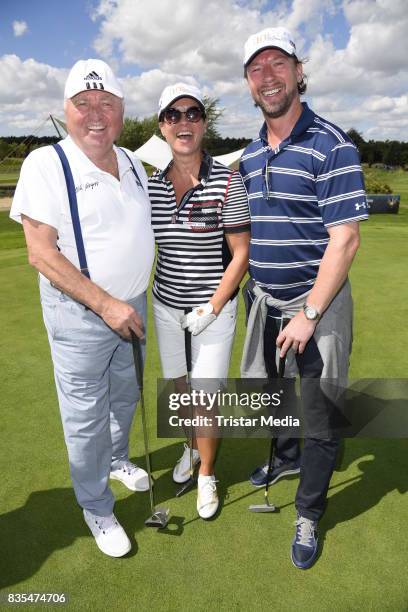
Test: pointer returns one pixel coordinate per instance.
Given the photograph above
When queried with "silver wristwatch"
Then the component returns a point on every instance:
(311, 313)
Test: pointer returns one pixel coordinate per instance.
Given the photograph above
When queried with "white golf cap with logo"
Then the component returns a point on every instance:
(171, 93)
(89, 75)
(270, 38)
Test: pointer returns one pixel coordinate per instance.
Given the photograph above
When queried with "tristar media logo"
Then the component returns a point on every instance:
(93, 76)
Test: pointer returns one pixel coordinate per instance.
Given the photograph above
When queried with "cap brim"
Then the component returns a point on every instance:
(268, 47)
(179, 98)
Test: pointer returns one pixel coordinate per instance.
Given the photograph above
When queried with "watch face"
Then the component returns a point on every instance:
(311, 313)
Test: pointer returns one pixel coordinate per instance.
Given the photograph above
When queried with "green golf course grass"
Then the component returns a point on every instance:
(10, 171)
(239, 560)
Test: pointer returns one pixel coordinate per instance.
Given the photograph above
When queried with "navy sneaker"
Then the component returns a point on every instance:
(304, 545)
(279, 469)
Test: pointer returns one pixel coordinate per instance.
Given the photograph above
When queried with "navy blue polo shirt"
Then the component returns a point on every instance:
(312, 181)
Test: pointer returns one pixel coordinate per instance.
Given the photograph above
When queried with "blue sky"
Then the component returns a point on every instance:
(58, 33)
(356, 51)
(63, 35)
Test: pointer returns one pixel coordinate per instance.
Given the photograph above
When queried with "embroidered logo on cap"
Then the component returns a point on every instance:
(95, 86)
(93, 76)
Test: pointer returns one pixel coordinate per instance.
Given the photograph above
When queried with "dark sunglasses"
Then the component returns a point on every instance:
(173, 115)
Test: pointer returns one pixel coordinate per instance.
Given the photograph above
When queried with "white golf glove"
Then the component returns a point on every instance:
(199, 318)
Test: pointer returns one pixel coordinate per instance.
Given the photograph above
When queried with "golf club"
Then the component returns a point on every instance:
(267, 506)
(192, 479)
(160, 516)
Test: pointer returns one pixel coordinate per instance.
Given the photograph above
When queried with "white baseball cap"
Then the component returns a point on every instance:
(275, 38)
(171, 93)
(92, 74)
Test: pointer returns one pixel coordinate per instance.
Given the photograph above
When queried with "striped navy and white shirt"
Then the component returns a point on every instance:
(311, 182)
(192, 250)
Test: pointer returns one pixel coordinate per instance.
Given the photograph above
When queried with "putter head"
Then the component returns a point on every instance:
(262, 508)
(186, 486)
(159, 518)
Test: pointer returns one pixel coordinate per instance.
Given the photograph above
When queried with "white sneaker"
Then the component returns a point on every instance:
(207, 498)
(109, 535)
(181, 472)
(132, 476)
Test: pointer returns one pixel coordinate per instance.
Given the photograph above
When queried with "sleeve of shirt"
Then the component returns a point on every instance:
(39, 193)
(340, 186)
(235, 211)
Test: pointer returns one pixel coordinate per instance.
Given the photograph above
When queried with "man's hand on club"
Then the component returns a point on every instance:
(296, 334)
(199, 318)
(121, 317)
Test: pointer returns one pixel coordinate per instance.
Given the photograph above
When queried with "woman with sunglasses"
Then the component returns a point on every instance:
(201, 224)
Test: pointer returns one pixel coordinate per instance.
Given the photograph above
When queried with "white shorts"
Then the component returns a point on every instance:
(210, 350)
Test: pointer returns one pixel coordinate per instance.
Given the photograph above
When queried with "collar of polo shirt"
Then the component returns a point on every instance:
(203, 174)
(87, 165)
(305, 120)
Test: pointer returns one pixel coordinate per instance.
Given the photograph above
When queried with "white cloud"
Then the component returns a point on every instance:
(376, 117)
(310, 13)
(233, 87)
(202, 38)
(238, 121)
(30, 92)
(19, 28)
(378, 40)
(142, 93)
(363, 85)
(28, 80)
(335, 70)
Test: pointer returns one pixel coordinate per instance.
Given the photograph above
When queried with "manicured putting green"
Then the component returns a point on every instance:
(240, 560)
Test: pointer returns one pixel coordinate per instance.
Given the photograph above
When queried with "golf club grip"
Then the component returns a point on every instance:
(187, 345)
(138, 359)
(270, 461)
(137, 356)
(281, 372)
(282, 360)
(187, 348)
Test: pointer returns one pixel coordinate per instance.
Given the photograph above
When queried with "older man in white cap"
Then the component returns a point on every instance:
(306, 196)
(86, 218)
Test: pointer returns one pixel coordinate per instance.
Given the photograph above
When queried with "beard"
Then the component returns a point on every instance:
(275, 109)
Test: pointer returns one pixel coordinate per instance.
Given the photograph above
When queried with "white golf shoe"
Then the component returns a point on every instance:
(132, 476)
(181, 472)
(207, 498)
(110, 537)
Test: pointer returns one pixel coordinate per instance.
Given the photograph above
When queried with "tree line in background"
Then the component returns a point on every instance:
(136, 132)
(390, 153)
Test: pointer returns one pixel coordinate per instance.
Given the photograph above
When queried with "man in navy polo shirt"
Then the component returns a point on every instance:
(306, 196)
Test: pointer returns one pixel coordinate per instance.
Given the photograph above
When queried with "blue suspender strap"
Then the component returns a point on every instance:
(73, 206)
(138, 181)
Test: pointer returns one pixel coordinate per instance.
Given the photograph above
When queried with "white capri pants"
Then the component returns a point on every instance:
(210, 350)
